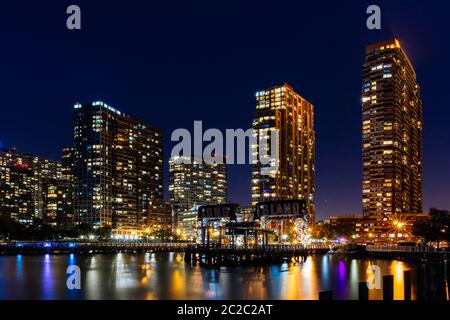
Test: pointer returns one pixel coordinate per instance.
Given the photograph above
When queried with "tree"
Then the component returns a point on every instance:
(324, 231)
(11, 230)
(164, 235)
(104, 232)
(436, 228)
(83, 229)
(330, 232)
(40, 232)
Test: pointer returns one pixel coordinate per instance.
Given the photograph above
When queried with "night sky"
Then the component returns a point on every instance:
(177, 62)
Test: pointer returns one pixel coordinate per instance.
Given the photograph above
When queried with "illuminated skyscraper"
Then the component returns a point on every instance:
(17, 187)
(193, 185)
(283, 109)
(58, 194)
(67, 164)
(392, 137)
(58, 203)
(118, 168)
(33, 190)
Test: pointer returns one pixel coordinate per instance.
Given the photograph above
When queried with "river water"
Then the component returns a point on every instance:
(167, 276)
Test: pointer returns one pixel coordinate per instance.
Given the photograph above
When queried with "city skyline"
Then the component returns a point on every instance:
(225, 158)
(337, 99)
(111, 110)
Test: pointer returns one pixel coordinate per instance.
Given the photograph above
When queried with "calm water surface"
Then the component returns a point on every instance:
(166, 276)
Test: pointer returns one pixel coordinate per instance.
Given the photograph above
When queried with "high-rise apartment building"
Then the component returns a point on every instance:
(118, 168)
(283, 109)
(193, 185)
(392, 137)
(160, 218)
(44, 170)
(28, 189)
(58, 203)
(58, 194)
(17, 185)
(67, 164)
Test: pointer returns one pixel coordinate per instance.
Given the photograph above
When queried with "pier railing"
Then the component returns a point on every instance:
(406, 249)
(94, 245)
(271, 247)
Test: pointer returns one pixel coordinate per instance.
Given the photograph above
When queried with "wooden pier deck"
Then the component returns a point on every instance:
(228, 254)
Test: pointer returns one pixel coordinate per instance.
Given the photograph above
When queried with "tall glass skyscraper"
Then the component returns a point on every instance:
(118, 168)
(283, 109)
(392, 137)
(193, 185)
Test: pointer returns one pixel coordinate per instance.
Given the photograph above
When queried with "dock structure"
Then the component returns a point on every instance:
(65, 247)
(219, 225)
(230, 254)
(407, 253)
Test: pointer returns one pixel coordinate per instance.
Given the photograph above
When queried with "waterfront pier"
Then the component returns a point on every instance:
(407, 253)
(88, 247)
(228, 254)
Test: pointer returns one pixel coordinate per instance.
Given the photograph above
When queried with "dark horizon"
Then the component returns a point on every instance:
(172, 64)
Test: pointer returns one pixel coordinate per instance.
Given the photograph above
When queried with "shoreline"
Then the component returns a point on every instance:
(416, 258)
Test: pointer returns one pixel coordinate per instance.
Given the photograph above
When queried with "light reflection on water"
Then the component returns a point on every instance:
(166, 276)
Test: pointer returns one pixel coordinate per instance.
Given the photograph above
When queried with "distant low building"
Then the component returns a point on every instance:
(246, 214)
(395, 228)
(160, 218)
(392, 228)
(187, 224)
(354, 223)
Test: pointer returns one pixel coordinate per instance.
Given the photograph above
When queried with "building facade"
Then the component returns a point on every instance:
(193, 185)
(246, 214)
(160, 218)
(392, 137)
(118, 168)
(353, 225)
(17, 185)
(58, 203)
(283, 109)
(28, 185)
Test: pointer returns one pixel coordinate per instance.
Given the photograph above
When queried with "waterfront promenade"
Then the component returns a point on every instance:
(195, 252)
(67, 247)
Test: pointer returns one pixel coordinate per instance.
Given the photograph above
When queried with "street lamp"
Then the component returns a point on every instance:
(399, 226)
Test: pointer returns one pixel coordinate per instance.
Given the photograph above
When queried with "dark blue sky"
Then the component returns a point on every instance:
(181, 61)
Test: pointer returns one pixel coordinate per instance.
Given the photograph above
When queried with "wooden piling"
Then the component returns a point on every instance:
(188, 256)
(363, 291)
(421, 288)
(441, 291)
(388, 288)
(326, 295)
(407, 285)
